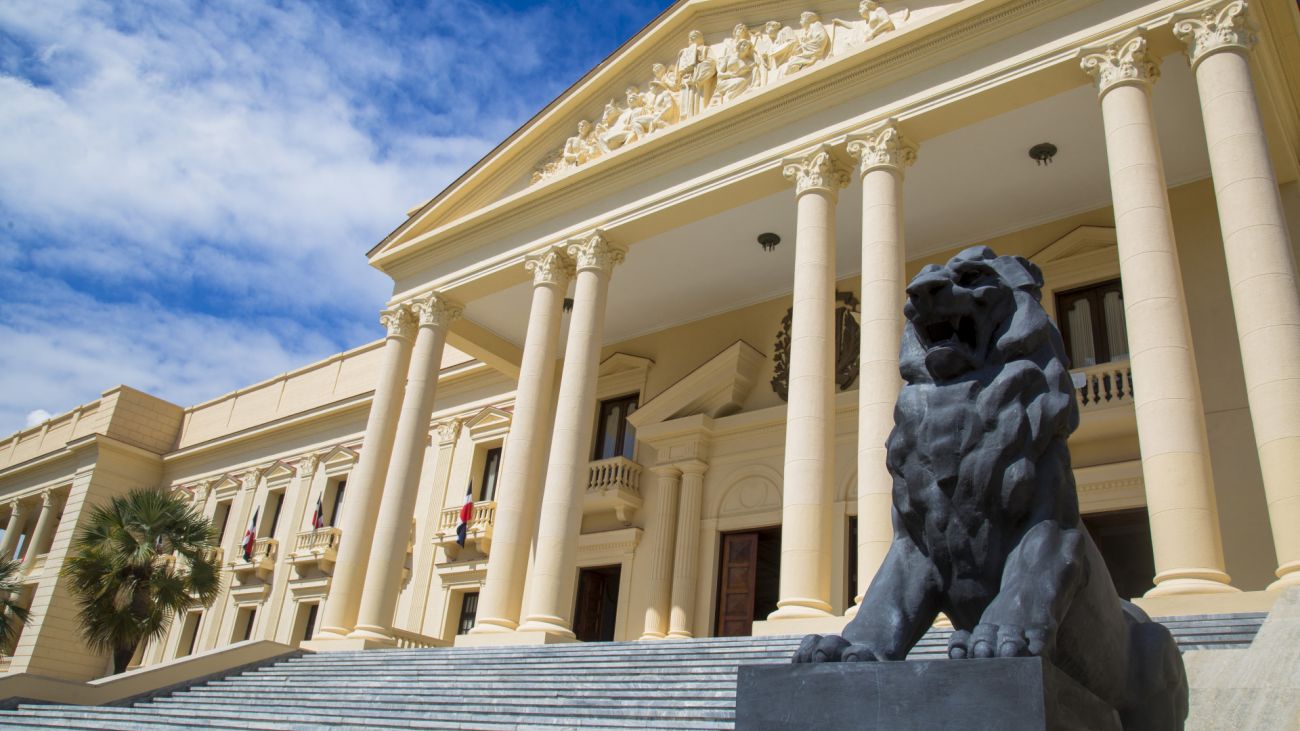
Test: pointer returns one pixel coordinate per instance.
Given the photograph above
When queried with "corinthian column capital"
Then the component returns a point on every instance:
(1120, 61)
(436, 310)
(551, 267)
(594, 252)
(1217, 26)
(819, 170)
(882, 146)
(398, 321)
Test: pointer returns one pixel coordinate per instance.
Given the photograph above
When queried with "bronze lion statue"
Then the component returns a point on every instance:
(986, 516)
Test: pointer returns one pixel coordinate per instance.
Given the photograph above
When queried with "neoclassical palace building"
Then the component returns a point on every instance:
(652, 338)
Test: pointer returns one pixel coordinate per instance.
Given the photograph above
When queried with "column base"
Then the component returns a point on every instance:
(800, 608)
(1191, 581)
(826, 625)
(373, 634)
(493, 627)
(1288, 575)
(521, 637)
(651, 636)
(680, 634)
(549, 625)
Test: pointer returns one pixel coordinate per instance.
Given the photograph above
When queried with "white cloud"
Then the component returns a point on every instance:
(38, 416)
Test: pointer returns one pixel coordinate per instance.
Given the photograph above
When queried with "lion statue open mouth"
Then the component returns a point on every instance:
(986, 517)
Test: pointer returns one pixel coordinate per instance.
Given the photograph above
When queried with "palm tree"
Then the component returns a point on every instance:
(14, 614)
(139, 560)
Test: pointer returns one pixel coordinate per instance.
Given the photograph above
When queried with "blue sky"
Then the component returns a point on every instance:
(188, 188)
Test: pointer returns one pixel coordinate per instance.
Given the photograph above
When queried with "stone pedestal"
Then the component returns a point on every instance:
(1010, 694)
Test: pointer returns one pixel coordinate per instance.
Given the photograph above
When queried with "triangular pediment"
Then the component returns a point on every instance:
(487, 422)
(680, 81)
(715, 389)
(278, 472)
(1080, 243)
(339, 456)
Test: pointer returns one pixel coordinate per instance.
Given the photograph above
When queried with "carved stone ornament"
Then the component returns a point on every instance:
(820, 170)
(595, 252)
(201, 491)
(1215, 27)
(882, 147)
(448, 431)
(436, 310)
(398, 321)
(306, 465)
(848, 347)
(1122, 61)
(702, 76)
(985, 511)
(551, 267)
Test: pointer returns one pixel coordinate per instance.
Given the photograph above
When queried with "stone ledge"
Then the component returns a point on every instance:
(1010, 694)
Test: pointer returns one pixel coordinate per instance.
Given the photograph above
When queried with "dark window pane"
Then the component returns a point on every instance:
(491, 465)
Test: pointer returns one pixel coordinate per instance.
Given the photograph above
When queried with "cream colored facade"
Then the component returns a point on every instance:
(873, 139)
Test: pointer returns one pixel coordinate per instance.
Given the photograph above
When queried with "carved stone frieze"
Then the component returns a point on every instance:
(882, 146)
(1121, 61)
(595, 252)
(703, 75)
(819, 170)
(398, 321)
(436, 310)
(551, 267)
(1214, 27)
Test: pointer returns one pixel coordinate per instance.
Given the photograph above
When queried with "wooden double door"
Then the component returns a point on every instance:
(748, 580)
(596, 610)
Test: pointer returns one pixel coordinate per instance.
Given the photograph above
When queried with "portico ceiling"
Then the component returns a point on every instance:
(966, 187)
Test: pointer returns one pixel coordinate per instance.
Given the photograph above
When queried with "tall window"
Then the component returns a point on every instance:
(220, 518)
(1092, 323)
(468, 612)
(274, 504)
(614, 436)
(491, 466)
(338, 502)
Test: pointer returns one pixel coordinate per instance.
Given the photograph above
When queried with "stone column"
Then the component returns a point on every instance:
(661, 529)
(882, 154)
(17, 519)
(686, 558)
(1257, 246)
(523, 465)
(1167, 397)
(392, 534)
(551, 582)
(810, 420)
(367, 480)
(43, 534)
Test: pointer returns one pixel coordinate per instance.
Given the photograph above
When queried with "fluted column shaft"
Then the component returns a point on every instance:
(43, 533)
(524, 463)
(17, 519)
(1257, 248)
(361, 502)
(882, 154)
(660, 534)
(810, 417)
(686, 553)
(434, 314)
(551, 582)
(1167, 397)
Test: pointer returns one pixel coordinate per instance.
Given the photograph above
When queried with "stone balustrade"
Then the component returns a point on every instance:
(479, 531)
(261, 560)
(1103, 385)
(614, 484)
(316, 548)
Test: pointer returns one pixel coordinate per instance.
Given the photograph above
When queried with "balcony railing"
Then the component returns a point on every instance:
(318, 548)
(614, 484)
(261, 560)
(1107, 384)
(478, 532)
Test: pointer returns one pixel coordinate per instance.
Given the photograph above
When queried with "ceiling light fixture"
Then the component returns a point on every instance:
(568, 304)
(768, 241)
(1043, 153)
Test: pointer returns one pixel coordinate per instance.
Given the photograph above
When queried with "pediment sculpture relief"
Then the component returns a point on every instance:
(702, 76)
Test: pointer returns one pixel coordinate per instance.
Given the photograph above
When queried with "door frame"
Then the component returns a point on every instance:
(608, 548)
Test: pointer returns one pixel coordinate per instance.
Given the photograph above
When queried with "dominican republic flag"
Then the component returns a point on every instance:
(250, 536)
(318, 517)
(466, 512)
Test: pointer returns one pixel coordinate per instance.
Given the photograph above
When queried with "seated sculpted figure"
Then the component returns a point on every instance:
(773, 48)
(736, 73)
(664, 88)
(813, 43)
(986, 517)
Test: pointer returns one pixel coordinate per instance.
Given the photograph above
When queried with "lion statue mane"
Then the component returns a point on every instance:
(986, 516)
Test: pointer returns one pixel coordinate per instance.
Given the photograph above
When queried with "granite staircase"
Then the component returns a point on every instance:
(686, 684)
